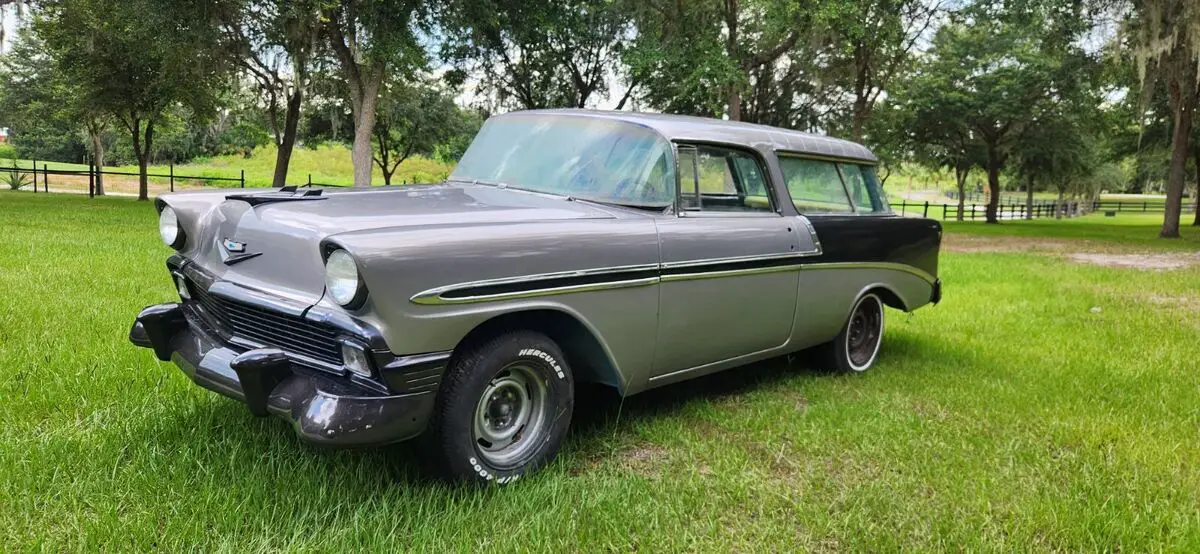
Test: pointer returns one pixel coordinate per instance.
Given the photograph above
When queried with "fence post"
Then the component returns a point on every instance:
(972, 212)
(310, 179)
(45, 177)
(243, 178)
(91, 179)
(903, 205)
(171, 165)
(944, 208)
(926, 214)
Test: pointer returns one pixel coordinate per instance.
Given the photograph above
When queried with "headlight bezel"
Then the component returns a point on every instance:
(179, 237)
(345, 261)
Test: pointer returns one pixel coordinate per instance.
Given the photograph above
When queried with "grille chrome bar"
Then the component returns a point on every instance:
(232, 319)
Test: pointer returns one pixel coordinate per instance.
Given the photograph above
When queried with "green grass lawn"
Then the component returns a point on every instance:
(1044, 405)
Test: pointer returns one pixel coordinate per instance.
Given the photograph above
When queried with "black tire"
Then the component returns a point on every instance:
(857, 345)
(519, 427)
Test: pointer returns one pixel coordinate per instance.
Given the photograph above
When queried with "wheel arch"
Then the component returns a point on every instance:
(587, 356)
(887, 294)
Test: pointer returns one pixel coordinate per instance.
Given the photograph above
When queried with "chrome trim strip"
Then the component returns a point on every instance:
(812, 231)
(424, 296)
(873, 265)
(730, 273)
(435, 296)
(431, 298)
(734, 359)
(737, 259)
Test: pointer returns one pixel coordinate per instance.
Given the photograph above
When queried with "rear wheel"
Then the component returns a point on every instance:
(857, 345)
(503, 409)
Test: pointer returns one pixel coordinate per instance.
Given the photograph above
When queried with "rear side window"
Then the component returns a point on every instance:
(815, 186)
(863, 186)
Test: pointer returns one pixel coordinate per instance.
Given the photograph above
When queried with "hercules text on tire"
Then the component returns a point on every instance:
(503, 409)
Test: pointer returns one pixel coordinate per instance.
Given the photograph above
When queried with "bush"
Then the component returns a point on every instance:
(14, 178)
(7, 151)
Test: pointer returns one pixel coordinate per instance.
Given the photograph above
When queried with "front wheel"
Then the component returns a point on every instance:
(503, 409)
(857, 345)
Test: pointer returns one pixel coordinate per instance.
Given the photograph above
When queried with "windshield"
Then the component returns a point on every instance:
(589, 158)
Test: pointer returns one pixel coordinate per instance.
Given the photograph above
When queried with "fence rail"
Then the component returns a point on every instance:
(1019, 210)
(44, 172)
(970, 212)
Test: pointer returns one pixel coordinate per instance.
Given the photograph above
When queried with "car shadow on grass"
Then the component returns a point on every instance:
(602, 424)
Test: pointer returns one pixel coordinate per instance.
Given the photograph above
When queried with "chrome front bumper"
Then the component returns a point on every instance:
(322, 408)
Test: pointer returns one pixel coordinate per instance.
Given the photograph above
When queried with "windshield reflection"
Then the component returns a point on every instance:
(589, 158)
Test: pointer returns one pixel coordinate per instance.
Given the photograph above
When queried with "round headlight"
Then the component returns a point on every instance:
(168, 228)
(341, 279)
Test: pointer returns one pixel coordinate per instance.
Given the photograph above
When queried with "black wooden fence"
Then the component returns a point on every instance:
(41, 176)
(1019, 210)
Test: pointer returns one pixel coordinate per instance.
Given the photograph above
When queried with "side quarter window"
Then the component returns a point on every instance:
(814, 185)
(717, 179)
(863, 186)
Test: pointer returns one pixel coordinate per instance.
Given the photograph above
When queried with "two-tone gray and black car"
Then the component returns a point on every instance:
(633, 250)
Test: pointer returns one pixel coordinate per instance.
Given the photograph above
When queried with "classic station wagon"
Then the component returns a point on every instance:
(632, 250)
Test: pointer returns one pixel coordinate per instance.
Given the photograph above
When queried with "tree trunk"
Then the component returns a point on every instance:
(98, 158)
(364, 97)
(1184, 106)
(141, 150)
(283, 157)
(993, 174)
(1029, 198)
(1058, 206)
(732, 7)
(961, 181)
(859, 118)
(364, 126)
(1196, 160)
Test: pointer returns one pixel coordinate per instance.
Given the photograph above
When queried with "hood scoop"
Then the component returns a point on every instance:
(284, 194)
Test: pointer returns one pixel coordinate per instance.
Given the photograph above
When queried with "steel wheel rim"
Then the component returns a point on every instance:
(864, 332)
(511, 416)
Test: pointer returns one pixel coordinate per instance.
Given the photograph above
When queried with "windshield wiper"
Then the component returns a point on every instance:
(642, 207)
(498, 184)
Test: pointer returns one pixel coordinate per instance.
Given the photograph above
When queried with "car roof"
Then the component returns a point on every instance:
(702, 129)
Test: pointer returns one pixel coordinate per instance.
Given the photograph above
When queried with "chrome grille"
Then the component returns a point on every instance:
(289, 333)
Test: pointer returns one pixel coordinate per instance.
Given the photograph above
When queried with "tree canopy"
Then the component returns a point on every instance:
(1035, 94)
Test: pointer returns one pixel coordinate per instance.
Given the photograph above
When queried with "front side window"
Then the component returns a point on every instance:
(815, 186)
(589, 158)
(716, 179)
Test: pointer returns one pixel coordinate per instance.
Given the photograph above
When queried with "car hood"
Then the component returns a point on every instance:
(279, 241)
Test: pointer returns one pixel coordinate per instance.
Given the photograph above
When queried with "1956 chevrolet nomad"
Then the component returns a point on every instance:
(633, 250)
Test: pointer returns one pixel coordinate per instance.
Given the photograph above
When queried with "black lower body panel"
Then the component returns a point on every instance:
(321, 408)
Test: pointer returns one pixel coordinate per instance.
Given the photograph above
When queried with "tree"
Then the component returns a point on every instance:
(871, 42)
(414, 118)
(1060, 144)
(45, 110)
(698, 57)
(538, 53)
(1165, 36)
(371, 39)
(274, 43)
(996, 70)
(134, 59)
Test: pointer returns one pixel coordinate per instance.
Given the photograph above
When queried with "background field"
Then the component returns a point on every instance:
(327, 164)
(1044, 405)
